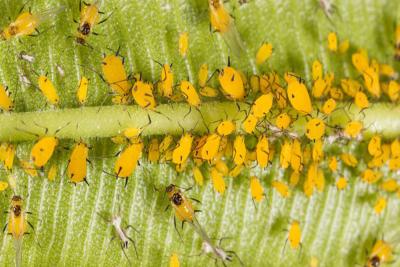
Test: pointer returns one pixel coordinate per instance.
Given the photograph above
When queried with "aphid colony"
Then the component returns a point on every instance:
(266, 133)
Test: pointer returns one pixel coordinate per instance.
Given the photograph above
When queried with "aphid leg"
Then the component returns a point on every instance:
(130, 226)
(105, 19)
(5, 227)
(236, 255)
(134, 246)
(301, 247)
(29, 223)
(196, 200)
(126, 182)
(283, 250)
(176, 229)
(85, 180)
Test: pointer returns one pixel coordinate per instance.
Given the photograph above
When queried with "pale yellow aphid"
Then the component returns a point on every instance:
(294, 179)
(262, 151)
(153, 151)
(350, 86)
(208, 91)
(286, 154)
(48, 90)
(333, 164)
(297, 157)
(317, 151)
(3, 186)
(262, 105)
(218, 181)
(174, 260)
(341, 183)
(395, 148)
(314, 261)
(183, 44)
(203, 75)
(256, 189)
(281, 188)
(28, 167)
(6, 103)
(236, 170)
(329, 106)
(315, 129)
(380, 205)
(81, 92)
(371, 81)
(250, 124)
(294, 235)
(390, 185)
(369, 176)
(374, 146)
(387, 70)
(332, 42)
(381, 158)
(167, 81)
(360, 61)
(319, 180)
(361, 100)
(316, 70)
(221, 167)
(344, 46)
(393, 90)
(198, 175)
(263, 53)
(52, 172)
(239, 150)
(353, 128)
(349, 159)
(320, 87)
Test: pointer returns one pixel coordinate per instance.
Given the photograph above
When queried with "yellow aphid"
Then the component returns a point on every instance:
(281, 188)
(12, 181)
(77, 163)
(17, 221)
(361, 100)
(115, 74)
(8, 155)
(317, 151)
(263, 53)
(174, 260)
(381, 158)
(48, 90)
(341, 183)
(127, 160)
(360, 61)
(27, 23)
(198, 176)
(236, 171)
(296, 160)
(329, 106)
(42, 150)
(294, 179)
(350, 86)
(226, 127)
(182, 149)
(395, 148)
(333, 164)
(319, 179)
(344, 46)
(314, 262)
(3, 186)
(89, 17)
(51, 174)
(167, 81)
(353, 128)
(231, 83)
(294, 235)
(393, 90)
(299, 97)
(319, 88)
(132, 132)
(381, 253)
(208, 91)
(316, 70)
(380, 205)
(217, 181)
(336, 93)
(286, 154)
(262, 151)
(210, 147)
(394, 164)
(369, 176)
(388, 71)
(120, 99)
(153, 151)
(315, 129)
(6, 103)
(29, 168)
(390, 185)
(332, 42)
(221, 167)
(262, 105)
(371, 81)
(308, 187)
(81, 92)
(281, 97)
(256, 189)
(190, 94)
(198, 144)
(239, 150)
(349, 159)
(283, 121)
(166, 143)
(142, 92)
(374, 146)
(183, 44)
(250, 124)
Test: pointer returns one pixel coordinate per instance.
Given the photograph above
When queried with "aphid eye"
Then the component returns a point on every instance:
(169, 188)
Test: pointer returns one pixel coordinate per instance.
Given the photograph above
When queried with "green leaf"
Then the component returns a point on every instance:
(338, 227)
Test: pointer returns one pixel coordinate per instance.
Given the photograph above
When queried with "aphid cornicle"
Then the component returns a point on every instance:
(77, 163)
(27, 23)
